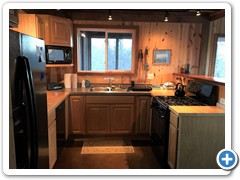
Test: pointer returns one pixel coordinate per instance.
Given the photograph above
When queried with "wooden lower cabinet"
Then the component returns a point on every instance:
(122, 119)
(195, 140)
(172, 148)
(109, 114)
(143, 114)
(97, 118)
(77, 114)
(52, 140)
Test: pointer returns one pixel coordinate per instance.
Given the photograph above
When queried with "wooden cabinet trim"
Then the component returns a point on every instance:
(110, 99)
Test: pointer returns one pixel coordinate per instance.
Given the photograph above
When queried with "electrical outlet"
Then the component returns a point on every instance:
(150, 76)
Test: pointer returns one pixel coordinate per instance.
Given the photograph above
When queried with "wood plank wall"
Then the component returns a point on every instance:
(183, 39)
(217, 27)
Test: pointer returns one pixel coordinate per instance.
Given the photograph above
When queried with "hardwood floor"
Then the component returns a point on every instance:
(142, 158)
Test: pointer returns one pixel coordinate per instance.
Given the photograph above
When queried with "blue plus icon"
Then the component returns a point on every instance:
(227, 159)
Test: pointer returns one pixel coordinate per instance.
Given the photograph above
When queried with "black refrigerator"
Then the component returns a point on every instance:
(28, 103)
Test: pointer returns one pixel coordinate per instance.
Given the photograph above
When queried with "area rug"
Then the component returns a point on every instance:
(107, 146)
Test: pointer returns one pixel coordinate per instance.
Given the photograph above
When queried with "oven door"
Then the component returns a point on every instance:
(160, 132)
(160, 125)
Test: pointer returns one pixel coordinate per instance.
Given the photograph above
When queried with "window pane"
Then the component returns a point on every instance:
(119, 51)
(92, 51)
(112, 54)
(97, 54)
(92, 43)
(125, 54)
(220, 58)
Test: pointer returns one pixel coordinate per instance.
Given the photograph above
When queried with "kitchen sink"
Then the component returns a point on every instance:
(108, 89)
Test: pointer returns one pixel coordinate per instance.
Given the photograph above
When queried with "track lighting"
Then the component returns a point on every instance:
(198, 13)
(166, 17)
(110, 15)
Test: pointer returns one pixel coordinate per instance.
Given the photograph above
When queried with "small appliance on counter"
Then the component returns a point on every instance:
(179, 90)
(139, 87)
(54, 86)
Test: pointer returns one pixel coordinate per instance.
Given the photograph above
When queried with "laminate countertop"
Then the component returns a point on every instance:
(196, 110)
(54, 98)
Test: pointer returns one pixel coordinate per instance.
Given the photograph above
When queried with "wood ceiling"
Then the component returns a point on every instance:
(146, 15)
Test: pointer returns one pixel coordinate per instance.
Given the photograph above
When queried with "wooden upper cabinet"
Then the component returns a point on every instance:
(13, 17)
(31, 24)
(40, 29)
(58, 31)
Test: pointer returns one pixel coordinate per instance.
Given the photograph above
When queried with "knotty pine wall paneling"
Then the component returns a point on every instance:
(183, 39)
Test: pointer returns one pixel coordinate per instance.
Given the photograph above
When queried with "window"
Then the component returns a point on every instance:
(106, 50)
(219, 70)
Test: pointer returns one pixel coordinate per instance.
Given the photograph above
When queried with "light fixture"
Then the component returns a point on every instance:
(110, 15)
(83, 34)
(166, 17)
(198, 13)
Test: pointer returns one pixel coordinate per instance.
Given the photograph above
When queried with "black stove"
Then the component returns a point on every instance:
(178, 101)
(205, 94)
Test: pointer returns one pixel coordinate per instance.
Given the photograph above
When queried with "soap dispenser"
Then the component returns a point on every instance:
(83, 83)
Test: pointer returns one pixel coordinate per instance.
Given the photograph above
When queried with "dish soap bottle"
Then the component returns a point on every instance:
(83, 83)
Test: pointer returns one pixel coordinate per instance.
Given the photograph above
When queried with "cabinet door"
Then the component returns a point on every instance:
(122, 118)
(40, 27)
(60, 31)
(77, 110)
(27, 24)
(172, 146)
(97, 117)
(52, 140)
(143, 114)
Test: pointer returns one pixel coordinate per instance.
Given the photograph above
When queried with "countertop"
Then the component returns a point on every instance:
(211, 79)
(195, 110)
(54, 98)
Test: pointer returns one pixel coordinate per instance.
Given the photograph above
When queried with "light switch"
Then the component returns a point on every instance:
(150, 76)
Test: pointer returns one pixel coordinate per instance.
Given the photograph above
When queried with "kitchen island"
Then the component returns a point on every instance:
(196, 135)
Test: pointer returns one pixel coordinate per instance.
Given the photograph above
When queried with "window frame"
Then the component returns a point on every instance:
(106, 29)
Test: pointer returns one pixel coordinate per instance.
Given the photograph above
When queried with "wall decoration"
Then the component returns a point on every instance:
(161, 56)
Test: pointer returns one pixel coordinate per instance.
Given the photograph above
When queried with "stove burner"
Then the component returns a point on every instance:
(179, 101)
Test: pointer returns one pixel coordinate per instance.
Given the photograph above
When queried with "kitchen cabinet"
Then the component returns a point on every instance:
(195, 140)
(97, 118)
(143, 114)
(58, 31)
(172, 148)
(77, 114)
(122, 118)
(31, 24)
(13, 17)
(109, 114)
(52, 139)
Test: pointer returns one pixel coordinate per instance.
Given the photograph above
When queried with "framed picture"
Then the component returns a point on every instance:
(161, 56)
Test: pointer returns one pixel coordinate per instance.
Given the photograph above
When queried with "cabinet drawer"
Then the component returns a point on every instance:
(51, 117)
(174, 119)
(110, 99)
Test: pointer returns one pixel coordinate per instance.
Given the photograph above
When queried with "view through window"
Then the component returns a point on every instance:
(220, 58)
(104, 50)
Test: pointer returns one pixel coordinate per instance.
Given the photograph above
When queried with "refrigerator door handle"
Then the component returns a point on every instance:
(26, 76)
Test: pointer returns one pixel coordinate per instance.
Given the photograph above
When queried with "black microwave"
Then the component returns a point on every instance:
(58, 54)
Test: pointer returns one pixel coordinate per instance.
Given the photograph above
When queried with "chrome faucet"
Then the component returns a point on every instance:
(110, 81)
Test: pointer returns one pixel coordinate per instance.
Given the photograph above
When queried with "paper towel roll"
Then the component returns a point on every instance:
(74, 80)
(67, 80)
